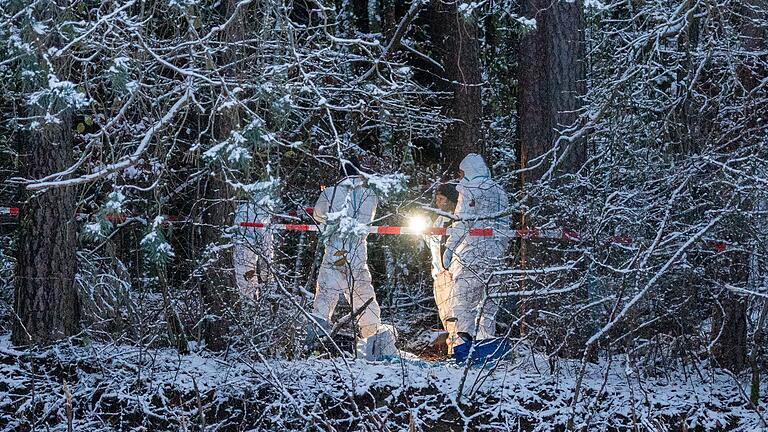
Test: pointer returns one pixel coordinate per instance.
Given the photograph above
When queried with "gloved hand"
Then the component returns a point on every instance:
(447, 256)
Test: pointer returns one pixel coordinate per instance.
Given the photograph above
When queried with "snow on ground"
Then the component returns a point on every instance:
(127, 388)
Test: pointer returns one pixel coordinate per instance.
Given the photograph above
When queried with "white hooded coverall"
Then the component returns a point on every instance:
(440, 275)
(474, 257)
(347, 209)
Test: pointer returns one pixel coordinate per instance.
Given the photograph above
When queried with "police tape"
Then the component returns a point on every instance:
(525, 234)
(531, 233)
(12, 211)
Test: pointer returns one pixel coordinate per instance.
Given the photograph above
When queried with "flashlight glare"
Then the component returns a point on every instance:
(418, 224)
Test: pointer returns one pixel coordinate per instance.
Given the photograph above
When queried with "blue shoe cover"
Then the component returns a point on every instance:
(485, 350)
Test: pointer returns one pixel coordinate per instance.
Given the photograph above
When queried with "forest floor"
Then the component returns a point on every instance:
(102, 387)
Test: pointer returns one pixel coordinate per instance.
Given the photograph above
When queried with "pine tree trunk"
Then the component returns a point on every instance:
(388, 17)
(729, 333)
(360, 15)
(218, 288)
(535, 125)
(568, 82)
(46, 299)
(552, 78)
(730, 349)
(456, 41)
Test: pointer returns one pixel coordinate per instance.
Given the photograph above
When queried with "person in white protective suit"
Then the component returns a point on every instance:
(348, 209)
(253, 249)
(480, 204)
(445, 201)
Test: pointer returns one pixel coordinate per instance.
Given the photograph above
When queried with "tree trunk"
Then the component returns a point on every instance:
(46, 299)
(456, 42)
(730, 349)
(568, 84)
(535, 128)
(360, 14)
(388, 21)
(552, 79)
(729, 333)
(218, 289)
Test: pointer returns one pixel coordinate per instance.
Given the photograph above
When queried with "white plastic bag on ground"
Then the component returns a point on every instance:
(379, 345)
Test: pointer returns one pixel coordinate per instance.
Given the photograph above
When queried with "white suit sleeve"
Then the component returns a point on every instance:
(322, 206)
(364, 205)
(455, 239)
(373, 206)
(447, 257)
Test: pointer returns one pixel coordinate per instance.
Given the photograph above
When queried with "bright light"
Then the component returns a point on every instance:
(418, 224)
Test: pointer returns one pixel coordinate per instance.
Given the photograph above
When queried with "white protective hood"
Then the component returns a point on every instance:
(474, 167)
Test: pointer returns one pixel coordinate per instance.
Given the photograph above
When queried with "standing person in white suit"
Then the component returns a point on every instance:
(480, 204)
(347, 209)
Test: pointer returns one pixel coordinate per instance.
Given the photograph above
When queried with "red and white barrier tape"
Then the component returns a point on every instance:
(529, 233)
(558, 234)
(12, 211)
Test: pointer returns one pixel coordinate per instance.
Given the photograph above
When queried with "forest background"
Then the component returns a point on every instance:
(130, 131)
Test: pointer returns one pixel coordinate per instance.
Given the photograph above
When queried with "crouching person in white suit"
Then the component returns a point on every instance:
(445, 201)
(480, 203)
(347, 210)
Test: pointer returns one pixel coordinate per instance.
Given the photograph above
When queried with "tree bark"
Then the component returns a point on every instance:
(730, 349)
(46, 299)
(360, 14)
(218, 288)
(552, 80)
(388, 21)
(455, 39)
(729, 313)
(729, 333)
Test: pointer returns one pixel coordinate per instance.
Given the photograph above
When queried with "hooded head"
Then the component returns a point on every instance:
(474, 167)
